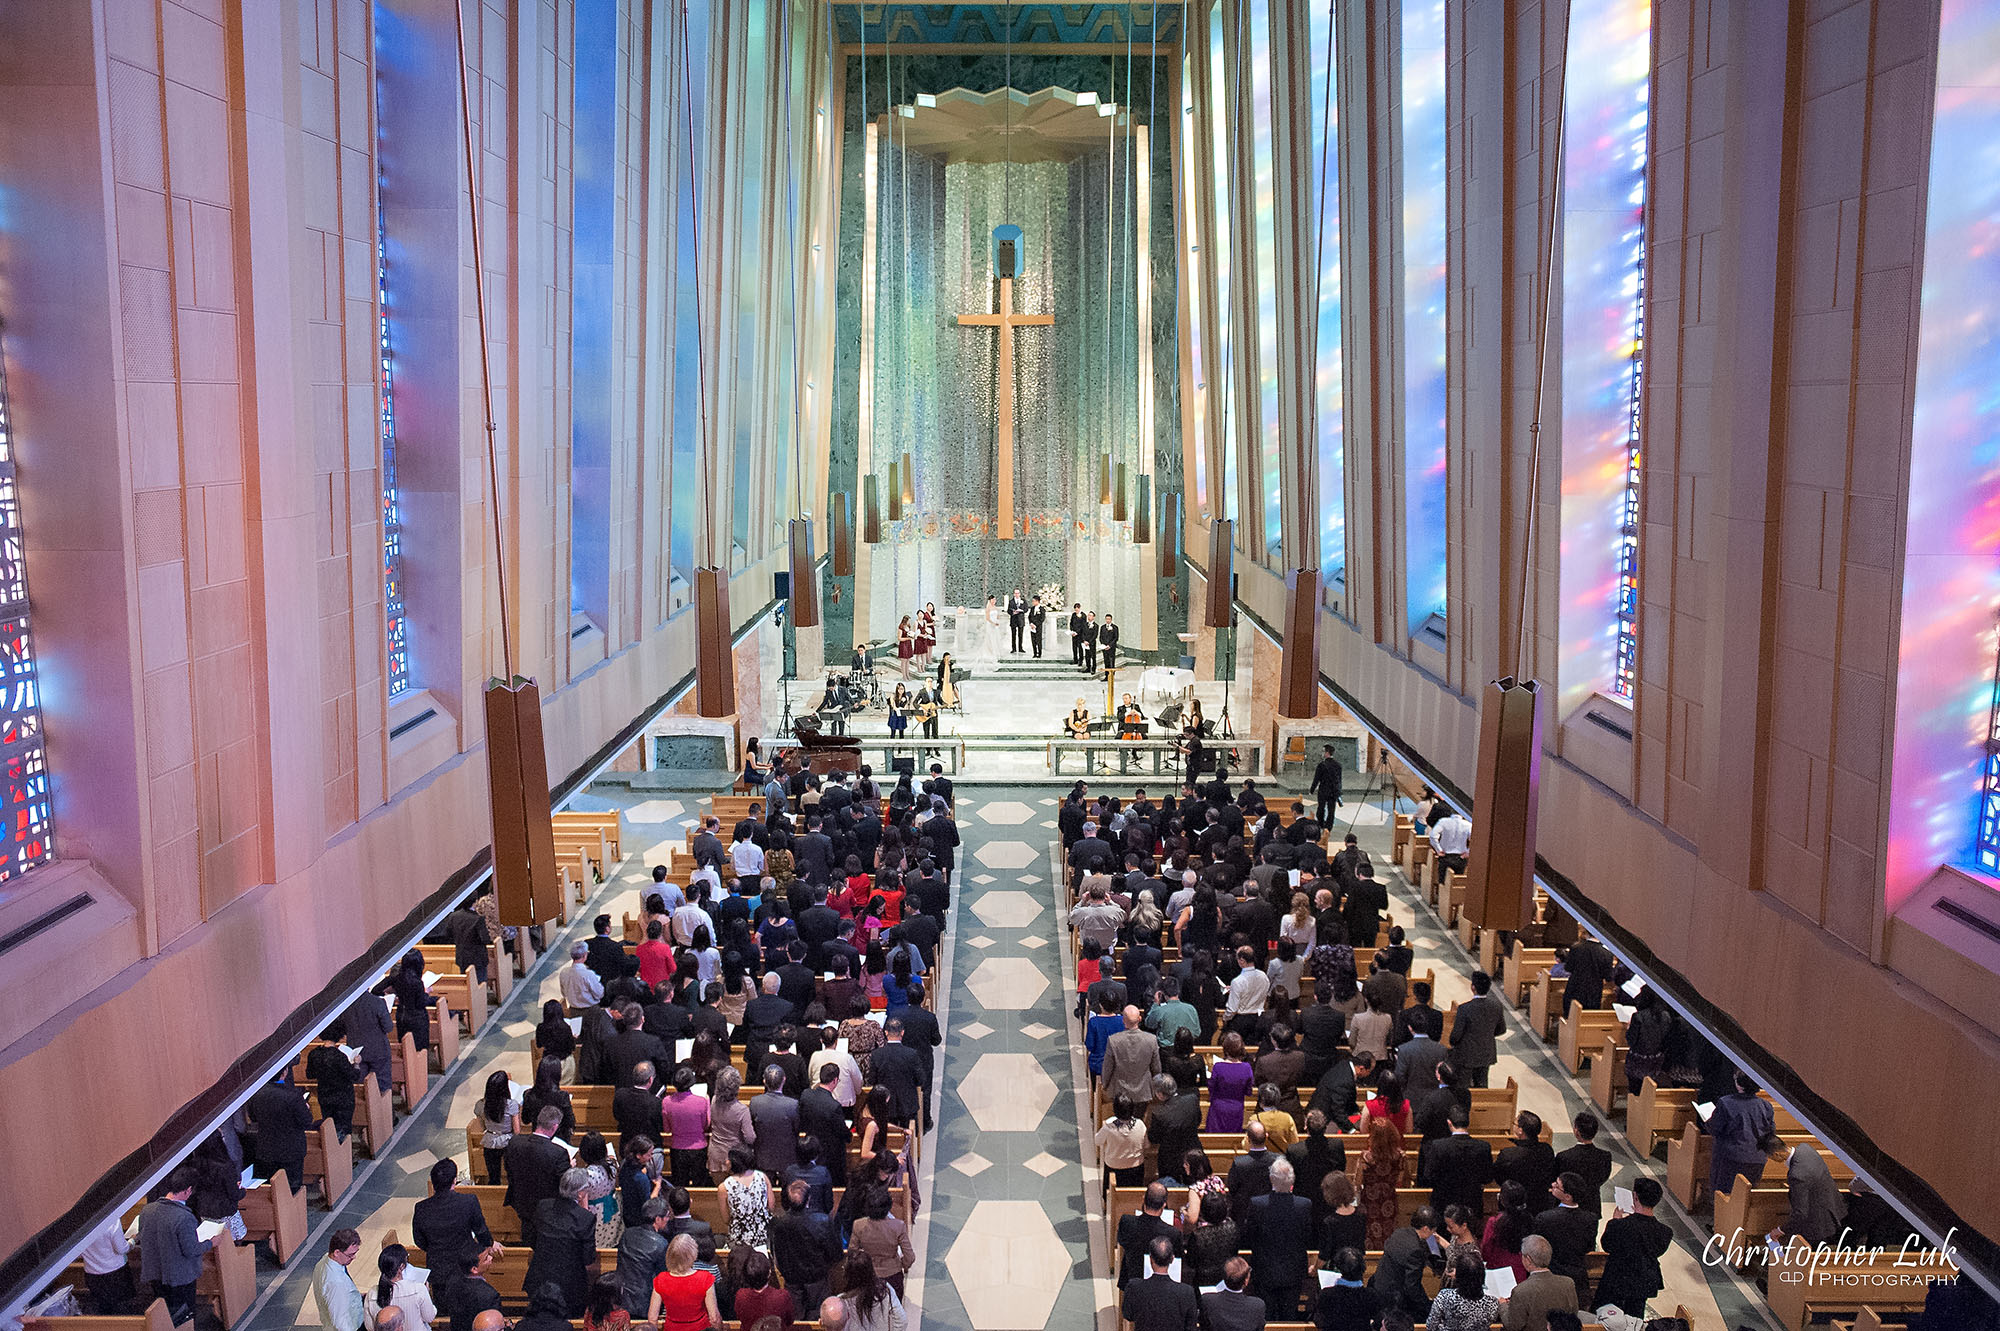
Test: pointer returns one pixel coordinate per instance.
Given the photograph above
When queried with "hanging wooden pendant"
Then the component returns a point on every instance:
(1104, 478)
(805, 578)
(1500, 862)
(842, 523)
(1142, 512)
(895, 496)
(715, 666)
(1119, 511)
(1170, 536)
(1221, 572)
(907, 471)
(871, 511)
(1298, 670)
(525, 883)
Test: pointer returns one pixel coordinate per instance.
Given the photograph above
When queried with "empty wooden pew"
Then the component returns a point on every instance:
(155, 1318)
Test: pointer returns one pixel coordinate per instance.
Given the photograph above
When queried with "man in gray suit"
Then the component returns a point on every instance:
(1543, 1292)
(171, 1246)
(1475, 1031)
(1817, 1209)
(1131, 1061)
(775, 1116)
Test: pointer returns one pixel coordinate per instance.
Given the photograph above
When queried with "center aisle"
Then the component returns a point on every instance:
(1008, 1247)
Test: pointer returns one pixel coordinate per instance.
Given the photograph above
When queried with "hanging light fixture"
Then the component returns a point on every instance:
(842, 521)
(1221, 572)
(908, 470)
(1119, 512)
(1170, 535)
(1104, 478)
(1142, 512)
(871, 511)
(895, 495)
(805, 580)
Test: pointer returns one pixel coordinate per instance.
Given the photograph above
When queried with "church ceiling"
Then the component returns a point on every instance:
(982, 25)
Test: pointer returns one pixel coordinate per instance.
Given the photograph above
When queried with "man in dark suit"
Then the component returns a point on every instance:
(1038, 618)
(1279, 1231)
(796, 981)
(1249, 1173)
(681, 1220)
(1430, 1110)
(632, 1045)
(642, 1256)
(636, 1107)
(822, 1118)
(1571, 1232)
(818, 926)
(1530, 1161)
(762, 1016)
(707, 846)
(283, 1119)
(470, 939)
(1322, 1030)
(1458, 1167)
(1589, 1162)
(920, 1031)
(1406, 1255)
(1418, 1017)
(1476, 1030)
(775, 1116)
(939, 786)
(1160, 1302)
(899, 1069)
(565, 1242)
(369, 1030)
(812, 853)
(1816, 1208)
(1366, 899)
(607, 954)
(1417, 1060)
(1077, 622)
(1589, 964)
(1107, 641)
(1337, 1093)
(449, 1226)
(1017, 619)
(1326, 785)
(1633, 1245)
(535, 1166)
(1233, 1307)
(470, 1294)
(805, 1246)
(1090, 631)
(1174, 1126)
(1136, 1232)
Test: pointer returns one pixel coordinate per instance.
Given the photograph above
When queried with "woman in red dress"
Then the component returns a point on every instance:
(1384, 1168)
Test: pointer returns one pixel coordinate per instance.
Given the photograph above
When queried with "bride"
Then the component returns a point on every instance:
(989, 646)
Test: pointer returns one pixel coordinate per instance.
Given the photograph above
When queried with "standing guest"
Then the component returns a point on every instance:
(823, 1119)
(535, 1169)
(1131, 1061)
(656, 955)
(334, 1076)
(775, 1118)
(1475, 1031)
(848, 1078)
(282, 1119)
(1121, 1143)
(553, 1035)
(1633, 1244)
(1232, 1307)
(1506, 1230)
(1348, 1304)
(400, 1287)
(684, 1295)
(642, 1255)
(1249, 1173)
(107, 1270)
(547, 1093)
(1160, 1302)
(1175, 1124)
(1229, 1083)
(1214, 1241)
(171, 1248)
(1571, 1232)
(1543, 1292)
(603, 1306)
(1590, 965)
(884, 1238)
(1326, 785)
(636, 1108)
(759, 1300)
(1406, 1256)
(471, 942)
(1815, 1209)
(565, 1242)
(450, 1227)
(746, 1196)
(1589, 1162)
(729, 1124)
(474, 1303)
(1138, 1229)
(869, 1303)
(499, 1120)
(580, 985)
(1740, 1123)
(1279, 1232)
(1530, 1161)
(684, 1121)
(1458, 1166)
(334, 1291)
(805, 1245)
(1384, 1168)
(367, 1024)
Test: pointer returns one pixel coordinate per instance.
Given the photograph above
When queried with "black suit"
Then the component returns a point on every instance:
(628, 1049)
(1135, 1232)
(762, 1016)
(899, 1069)
(1279, 1232)
(812, 855)
(1249, 1177)
(1399, 1274)
(1017, 619)
(1232, 1310)
(1077, 624)
(1159, 1303)
(366, 1022)
(1572, 1233)
(795, 986)
(1334, 1096)
(1175, 1128)
(1107, 641)
(466, 928)
(637, 1114)
(1459, 1167)
(821, 1116)
(1038, 616)
(565, 1250)
(1532, 1166)
(606, 957)
(1590, 964)
(1594, 1163)
(466, 1299)
(283, 1119)
(1632, 1247)
(1326, 784)
(450, 1228)
(535, 1167)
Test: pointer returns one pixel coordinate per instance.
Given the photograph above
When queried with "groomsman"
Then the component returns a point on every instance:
(1107, 639)
(1017, 618)
(1090, 644)
(1038, 616)
(1078, 621)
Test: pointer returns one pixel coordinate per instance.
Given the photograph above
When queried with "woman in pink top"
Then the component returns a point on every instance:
(686, 1116)
(656, 955)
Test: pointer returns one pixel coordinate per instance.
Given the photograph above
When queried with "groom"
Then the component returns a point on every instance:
(1017, 618)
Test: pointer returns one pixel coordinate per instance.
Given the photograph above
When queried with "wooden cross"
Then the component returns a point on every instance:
(1006, 322)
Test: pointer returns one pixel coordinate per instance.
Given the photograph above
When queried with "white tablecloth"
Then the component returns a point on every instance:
(1165, 681)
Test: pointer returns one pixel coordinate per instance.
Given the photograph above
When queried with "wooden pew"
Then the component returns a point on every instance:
(155, 1318)
(1868, 1284)
(1746, 1213)
(229, 1280)
(409, 1072)
(1657, 1112)
(272, 1211)
(1494, 1109)
(730, 810)
(1546, 1003)
(1581, 1032)
(1521, 967)
(1607, 1073)
(330, 1162)
(1399, 836)
(1688, 1157)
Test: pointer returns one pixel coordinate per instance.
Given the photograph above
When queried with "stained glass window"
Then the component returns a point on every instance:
(1423, 160)
(1191, 274)
(683, 509)
(1326, 231)
(1220, 118)
(1604, 251)
(395, 620)
(26, 824)
(1264, 216)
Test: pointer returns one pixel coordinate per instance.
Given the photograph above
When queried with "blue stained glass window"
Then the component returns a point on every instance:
(392, 517)
(1424, 292)
(1327, 371)
(26, 818)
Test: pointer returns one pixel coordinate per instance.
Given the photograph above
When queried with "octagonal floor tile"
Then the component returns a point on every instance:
(1004, 813)
(655, 811)
(1006, 909)
(1008, 1265)
(1006, 855)
(1007, 1092)
(1007, 983)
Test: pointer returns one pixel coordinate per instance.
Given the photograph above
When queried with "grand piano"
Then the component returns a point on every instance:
(826, 753)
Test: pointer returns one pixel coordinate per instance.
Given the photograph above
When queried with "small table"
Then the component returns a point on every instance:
(1165, 681)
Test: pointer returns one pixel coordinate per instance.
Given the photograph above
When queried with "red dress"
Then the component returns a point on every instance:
(683, 1306)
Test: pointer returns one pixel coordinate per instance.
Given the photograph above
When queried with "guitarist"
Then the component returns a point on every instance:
(925, 708)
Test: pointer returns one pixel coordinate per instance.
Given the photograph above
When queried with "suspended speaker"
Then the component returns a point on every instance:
(871, 511)
(805, 587)
(1221, 571)
(895, 496)
(1298, 668)
(1500, 863)
(525, 882)
(1142, 512)
(1119, 512)
(843, 534)
(906, 471)
(715, 670)
(1104, 478)
(1170, 535)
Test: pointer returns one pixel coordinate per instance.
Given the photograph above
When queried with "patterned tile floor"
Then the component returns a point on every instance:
(1010, 1235)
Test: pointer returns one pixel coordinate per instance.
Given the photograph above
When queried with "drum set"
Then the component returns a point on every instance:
(851, 692)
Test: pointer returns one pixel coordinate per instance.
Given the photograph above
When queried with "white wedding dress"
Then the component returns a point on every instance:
(989, 643)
